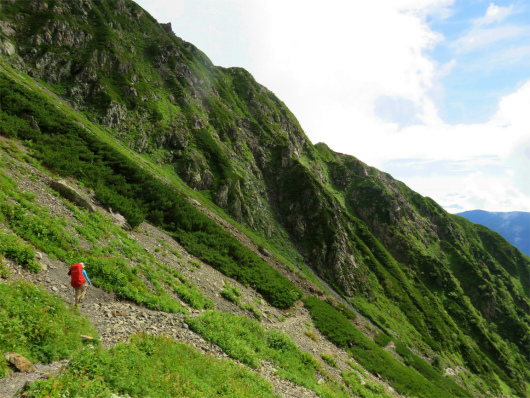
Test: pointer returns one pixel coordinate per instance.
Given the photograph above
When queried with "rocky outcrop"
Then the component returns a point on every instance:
(72, 195)
(120, 220)
(7, 48)
(115, 115)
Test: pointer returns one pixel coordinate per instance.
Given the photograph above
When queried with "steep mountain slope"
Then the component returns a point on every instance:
(513, 226)
(160, 111)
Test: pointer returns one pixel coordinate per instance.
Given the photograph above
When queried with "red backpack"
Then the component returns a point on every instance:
(76, 272)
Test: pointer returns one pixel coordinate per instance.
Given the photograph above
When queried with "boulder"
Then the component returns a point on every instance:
(20, 362)
(72, 195)
(7, 48)
(264, 251)
(120, 221)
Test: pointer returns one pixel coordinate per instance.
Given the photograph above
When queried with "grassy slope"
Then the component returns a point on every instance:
(417, 312)
(28, 329)
(26, 225)
(431, 293)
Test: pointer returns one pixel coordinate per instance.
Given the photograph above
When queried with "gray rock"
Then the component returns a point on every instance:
(115, 115)
(120, 220)
(72, 195)
(7, 48)
(264, 251)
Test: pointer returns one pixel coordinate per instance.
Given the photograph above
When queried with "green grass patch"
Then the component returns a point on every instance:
(38, 325)
(152, 366)
(247, 341)
(382, 339)
(110, 265)
(14, 248)
(231, 293)
(329, 359)
(367, 390)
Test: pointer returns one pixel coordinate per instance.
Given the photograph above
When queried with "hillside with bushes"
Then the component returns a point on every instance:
(103, 95)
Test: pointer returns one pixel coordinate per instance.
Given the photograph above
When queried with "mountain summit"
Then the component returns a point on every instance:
(101, 93)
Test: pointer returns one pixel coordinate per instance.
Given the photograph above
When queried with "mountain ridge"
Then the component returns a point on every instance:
(514, 226)
(220, 137)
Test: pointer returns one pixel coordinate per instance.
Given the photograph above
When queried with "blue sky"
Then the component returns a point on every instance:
(484, 71)
(436, 93)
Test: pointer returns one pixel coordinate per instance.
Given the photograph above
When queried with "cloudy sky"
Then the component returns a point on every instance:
(436, 93)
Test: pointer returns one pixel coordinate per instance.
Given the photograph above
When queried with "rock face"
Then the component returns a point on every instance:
(72, 195)
(19, 362)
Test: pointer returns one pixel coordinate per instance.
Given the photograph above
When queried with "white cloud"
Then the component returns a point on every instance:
(446, 69)
(514, 110)
(342, 58)
(481, 38)
(475, 191)
(494, 14)
(502, 146)
(481, 35)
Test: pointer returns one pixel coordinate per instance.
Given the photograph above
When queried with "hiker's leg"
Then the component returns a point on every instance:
(78, 291)
(84, 286)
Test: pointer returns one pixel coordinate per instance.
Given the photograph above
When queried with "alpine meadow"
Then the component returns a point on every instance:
(229, 255)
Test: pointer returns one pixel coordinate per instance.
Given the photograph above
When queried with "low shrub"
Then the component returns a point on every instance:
(252, 308)
(367, 389)
(311, 335)
(119, 182)
(329, 359)
(231, 293)
(14, 248)
(382, 339)
(347, 312)
(340, 331)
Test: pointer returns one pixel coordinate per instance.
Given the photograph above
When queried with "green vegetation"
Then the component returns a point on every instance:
(382, 339)
(368, 390)
(151, 366)
(38, 325)
(311, 335)
(231, 293)
(440, 286)
(246, 340)
(338, 329)
(121, 184)
(118, 265)
(14, 248)
(329, 359)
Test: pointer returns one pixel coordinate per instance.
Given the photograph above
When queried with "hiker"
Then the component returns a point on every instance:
(79, 281)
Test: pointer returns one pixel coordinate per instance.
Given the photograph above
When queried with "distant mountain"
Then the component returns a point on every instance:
(513, 226)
